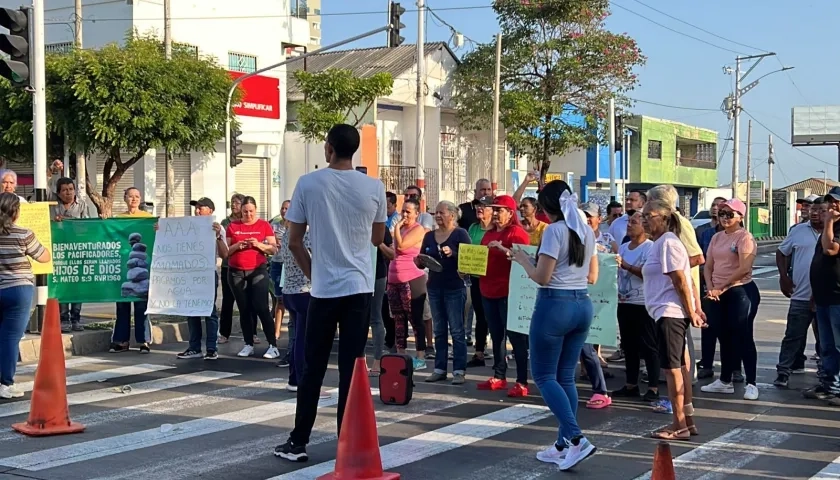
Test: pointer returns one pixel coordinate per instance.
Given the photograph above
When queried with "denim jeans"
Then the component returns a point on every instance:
(495, 312)
(298, 305)
(448, 314)
(592, 365)
(377, 323)
(799, 319)
(142, 325)
(71, 313)
(194, 324)
(828, 321)
(559, 327)
(734, 314)
(15, 304)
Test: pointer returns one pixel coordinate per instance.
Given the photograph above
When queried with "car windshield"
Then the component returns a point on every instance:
(702, 215)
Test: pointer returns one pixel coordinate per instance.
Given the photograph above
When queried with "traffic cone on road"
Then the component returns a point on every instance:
(48, 411)
(663, 463)
(358, 457)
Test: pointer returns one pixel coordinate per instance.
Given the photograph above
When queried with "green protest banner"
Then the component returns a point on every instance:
(101, 261)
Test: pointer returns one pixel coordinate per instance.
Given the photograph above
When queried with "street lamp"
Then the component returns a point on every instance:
(825, 181)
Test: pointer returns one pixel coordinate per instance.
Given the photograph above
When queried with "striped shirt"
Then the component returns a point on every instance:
(15, 269)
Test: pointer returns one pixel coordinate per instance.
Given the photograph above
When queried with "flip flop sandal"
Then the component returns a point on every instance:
(689, 414)
(662, 406)
(668, 434)
(599, 401)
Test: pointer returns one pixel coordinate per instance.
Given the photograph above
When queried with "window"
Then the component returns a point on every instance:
(316, 26)
(314, 40)
(298, 8)
(185, 48)
(395, 153)
(238, 62)
(63, 47)
(317, 11)
(655, 149)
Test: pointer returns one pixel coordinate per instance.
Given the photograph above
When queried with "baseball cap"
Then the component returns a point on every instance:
(591, 209)
(833, 195)
(808, 199)
(204, 202)
(736, 206)
(504, 201)
(486, 201)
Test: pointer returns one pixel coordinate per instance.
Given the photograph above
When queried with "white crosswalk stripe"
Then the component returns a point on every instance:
(178, 423)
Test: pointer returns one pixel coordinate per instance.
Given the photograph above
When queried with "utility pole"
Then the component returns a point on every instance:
(170, 168)
(81, 165)
(39, 133)
(494, 128)
(611, 126)
(420, 145)
(825, 181)
(770, 162)
(749, 160)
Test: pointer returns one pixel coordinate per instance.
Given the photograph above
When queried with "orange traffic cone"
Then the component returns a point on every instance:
(663, 463)
(358, 444)
(48, 412)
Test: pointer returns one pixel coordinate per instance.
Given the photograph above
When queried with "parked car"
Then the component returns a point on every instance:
(701, 218)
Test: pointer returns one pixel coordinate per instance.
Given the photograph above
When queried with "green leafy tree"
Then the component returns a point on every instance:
(337, 96)
(559, 63)
(121, 101)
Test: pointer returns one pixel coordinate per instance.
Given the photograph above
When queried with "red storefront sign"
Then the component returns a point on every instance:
(261, 97)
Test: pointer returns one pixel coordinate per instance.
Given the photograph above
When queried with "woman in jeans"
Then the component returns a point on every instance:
(226, 313)
(250, 240)
(484, 213)
(638, 329)
(142, 326)
(17, 287)
(562, 316)
(506, 233)
(447, 292)
(406, 287)
(670, 300)
(734, 298)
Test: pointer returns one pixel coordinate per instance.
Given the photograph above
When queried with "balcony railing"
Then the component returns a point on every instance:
(695, 163)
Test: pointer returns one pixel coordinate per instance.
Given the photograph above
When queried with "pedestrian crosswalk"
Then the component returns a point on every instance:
(222, 420)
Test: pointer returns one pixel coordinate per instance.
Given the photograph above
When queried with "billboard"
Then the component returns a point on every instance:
(815, 126)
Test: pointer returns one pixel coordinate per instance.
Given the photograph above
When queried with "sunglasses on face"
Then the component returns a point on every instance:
(725, 214)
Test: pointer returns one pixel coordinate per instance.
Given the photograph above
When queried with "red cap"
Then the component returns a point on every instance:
(504, 201)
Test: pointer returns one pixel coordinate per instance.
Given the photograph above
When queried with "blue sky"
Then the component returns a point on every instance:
(682, 71)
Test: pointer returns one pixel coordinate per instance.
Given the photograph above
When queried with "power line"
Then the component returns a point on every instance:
(699, 28)
(785, 141)
(676, 106)
(787, 72)
(677, 31)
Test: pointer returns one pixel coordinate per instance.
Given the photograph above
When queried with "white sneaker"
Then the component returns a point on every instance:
(718, 387)
(552, 455)
(247, 351)
(272, 352)
(10, 391)
(577, 453)
(291, 388)
(751, 392)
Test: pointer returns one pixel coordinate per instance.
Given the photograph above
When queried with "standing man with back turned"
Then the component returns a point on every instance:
(346, 213)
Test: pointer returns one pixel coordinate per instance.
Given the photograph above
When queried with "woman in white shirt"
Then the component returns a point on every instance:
(670, 300)
(562, 316)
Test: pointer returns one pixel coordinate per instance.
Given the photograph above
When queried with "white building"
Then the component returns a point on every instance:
(242, 36)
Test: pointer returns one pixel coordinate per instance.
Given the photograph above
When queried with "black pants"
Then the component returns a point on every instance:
(733, 317)
(638, 337)
(351, 315)
(250, 288)
(480, 319)
(388, 320)
(226, 315)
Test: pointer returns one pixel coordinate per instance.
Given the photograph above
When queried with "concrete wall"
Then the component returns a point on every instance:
(666, 170)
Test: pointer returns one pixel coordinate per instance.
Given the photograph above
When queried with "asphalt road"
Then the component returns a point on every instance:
(191, 418)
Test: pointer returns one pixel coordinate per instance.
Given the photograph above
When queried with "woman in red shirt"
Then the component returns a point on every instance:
(250, 239)
(494, 292)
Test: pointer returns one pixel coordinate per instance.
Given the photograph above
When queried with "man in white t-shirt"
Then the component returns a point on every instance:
(635, 201)
(345, 211)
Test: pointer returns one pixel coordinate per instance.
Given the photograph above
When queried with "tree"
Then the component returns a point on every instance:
(121, 101)
(559, 68)
(337, 96)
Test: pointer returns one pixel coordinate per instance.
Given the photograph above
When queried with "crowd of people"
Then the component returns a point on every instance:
(347, 258)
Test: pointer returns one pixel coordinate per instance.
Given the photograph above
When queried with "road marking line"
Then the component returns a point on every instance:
(105, 394)
(830, 472)
(104, 447)
(438, 441)
(69, 363)
(725, 455)
(165, 407)
(763, 270)
(103, 375)
(215, 460)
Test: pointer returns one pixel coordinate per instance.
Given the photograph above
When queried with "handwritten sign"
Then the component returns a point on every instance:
(472, 259)
(604, 295)
(36, 217)
(183, 268)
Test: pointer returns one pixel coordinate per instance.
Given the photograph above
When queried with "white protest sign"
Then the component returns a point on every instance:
(183, 268)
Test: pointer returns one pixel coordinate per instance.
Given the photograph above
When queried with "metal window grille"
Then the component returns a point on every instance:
(62, 47)
(395, 153)
(185, 48)
(655, 149)
(238, 62)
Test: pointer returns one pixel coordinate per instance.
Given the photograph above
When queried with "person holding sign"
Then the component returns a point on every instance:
(68, 206)
(494, 290)
(17, 287)
(670, 300)
(447, 292)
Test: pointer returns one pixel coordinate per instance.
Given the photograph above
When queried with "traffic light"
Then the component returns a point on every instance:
(16, 45)
(394, 38)
(235, 144)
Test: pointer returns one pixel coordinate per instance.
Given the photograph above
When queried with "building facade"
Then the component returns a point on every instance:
(263, 32)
